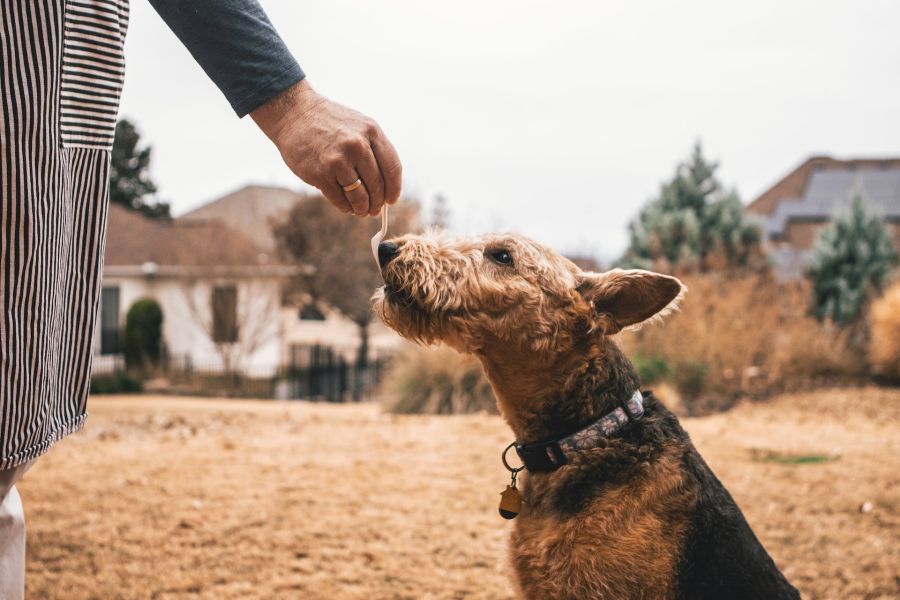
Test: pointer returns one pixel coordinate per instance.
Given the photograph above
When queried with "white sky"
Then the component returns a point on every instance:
(554, 119)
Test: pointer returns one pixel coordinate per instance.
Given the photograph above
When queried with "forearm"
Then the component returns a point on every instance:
(236, 45)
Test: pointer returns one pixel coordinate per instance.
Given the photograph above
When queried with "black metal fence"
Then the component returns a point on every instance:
(312, 372)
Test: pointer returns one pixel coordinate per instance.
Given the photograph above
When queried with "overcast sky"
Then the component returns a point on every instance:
(553, 119)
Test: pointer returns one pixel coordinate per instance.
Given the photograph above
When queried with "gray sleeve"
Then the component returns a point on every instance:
(237, 46)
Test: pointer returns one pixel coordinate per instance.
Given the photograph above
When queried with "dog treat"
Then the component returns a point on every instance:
(376, 239)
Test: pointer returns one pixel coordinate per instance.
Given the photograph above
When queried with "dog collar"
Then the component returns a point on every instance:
(545, 457)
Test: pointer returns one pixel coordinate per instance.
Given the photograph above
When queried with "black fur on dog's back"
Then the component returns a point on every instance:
(721, 557)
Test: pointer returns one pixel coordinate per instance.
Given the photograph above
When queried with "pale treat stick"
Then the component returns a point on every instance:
(380, 235)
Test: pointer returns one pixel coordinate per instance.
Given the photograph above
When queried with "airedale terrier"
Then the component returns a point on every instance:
(617, 502)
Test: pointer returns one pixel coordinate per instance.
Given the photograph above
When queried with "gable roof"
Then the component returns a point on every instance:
(250, 210)
(134, 240)
(823, 186)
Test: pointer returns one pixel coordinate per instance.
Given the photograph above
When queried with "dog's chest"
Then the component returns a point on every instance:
(625, 543)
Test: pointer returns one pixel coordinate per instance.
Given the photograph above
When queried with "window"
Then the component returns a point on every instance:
(109, 320)
(224, 314)
(310, 312)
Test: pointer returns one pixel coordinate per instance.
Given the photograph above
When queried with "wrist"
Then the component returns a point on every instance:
(292, 104)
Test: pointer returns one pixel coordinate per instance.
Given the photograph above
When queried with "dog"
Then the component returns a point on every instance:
(617, 502)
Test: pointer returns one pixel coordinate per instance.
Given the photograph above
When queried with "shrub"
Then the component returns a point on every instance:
(115, 383)
(651, 368)
(851, 260)
(884, 347)
(690, 377)
(143, 335)
(740, 334)
(435, 381)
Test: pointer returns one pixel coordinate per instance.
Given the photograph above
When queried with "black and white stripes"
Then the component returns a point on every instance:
(60, 77)
(93, 70)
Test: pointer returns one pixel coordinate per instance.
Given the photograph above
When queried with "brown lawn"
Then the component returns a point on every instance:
(174, 498)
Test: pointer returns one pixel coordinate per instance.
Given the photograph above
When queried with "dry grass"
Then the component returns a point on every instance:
(741, 335)
(436, 380)
(884, 347)
(175, 498)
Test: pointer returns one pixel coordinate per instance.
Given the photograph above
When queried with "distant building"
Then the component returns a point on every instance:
(216, 274)
(801, 204)
(220, 294)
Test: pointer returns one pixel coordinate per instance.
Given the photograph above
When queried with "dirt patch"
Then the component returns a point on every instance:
(173, 498)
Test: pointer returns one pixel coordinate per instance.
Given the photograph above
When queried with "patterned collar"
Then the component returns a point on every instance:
(545, 457)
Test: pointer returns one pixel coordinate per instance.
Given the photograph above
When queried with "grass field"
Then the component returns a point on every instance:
(180, 498)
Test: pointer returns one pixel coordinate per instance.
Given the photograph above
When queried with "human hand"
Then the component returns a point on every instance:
(330, 146)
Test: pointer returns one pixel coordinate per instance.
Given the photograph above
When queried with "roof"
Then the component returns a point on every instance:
(822, 187)
(133, 239)
(793, 185)
(250, 210)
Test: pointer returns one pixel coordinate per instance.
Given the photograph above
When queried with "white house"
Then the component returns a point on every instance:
(216, 276)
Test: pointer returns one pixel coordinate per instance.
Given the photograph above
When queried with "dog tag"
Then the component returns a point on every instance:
(510, 502)
(376, 239)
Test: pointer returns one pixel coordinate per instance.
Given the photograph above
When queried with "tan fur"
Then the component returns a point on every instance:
(644, 517)
(539, 327)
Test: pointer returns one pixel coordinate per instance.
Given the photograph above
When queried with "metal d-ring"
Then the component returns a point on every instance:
(512, 470)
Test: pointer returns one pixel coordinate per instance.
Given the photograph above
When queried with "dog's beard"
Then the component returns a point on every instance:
(410, 318)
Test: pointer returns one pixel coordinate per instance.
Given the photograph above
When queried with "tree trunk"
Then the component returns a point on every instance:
(362, 361)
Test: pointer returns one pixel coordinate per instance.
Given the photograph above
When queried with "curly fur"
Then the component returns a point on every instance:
(639, 516)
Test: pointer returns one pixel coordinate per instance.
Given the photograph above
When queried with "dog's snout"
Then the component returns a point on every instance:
(387, 251)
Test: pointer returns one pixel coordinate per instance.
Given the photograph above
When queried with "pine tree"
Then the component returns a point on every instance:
(440, 213)
(850, 261)
(130, 184)
(695, 224)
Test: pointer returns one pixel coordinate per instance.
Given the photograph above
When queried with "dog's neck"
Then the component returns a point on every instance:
(547, 395)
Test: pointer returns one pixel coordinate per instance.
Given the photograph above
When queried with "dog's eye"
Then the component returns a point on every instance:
(501, 257)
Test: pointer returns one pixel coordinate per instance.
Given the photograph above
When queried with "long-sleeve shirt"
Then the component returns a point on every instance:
(237, 46)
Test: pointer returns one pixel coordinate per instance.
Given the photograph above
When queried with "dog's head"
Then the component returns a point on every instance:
(508, 290)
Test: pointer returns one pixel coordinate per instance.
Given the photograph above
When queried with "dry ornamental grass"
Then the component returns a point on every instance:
(177, 498)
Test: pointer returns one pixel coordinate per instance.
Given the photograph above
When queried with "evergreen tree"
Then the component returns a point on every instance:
(130, 184)
(695, 223)
(851, 259)
(440, 213)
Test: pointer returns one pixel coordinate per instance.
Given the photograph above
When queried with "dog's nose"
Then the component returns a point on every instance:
(387, 251)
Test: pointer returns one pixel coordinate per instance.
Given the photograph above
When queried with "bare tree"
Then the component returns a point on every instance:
(343, 273)
(236, 313)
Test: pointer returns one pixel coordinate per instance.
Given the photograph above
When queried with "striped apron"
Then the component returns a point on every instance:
(61, 72)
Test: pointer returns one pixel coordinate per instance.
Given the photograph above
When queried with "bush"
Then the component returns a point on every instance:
(884, 347)
(115, 383)
(435, 381)
(739, 334)
(851, 260)
(143, 335)
(651, 368)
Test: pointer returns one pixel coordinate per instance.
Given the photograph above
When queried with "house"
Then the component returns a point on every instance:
(219, 292)
(216, 275)
(801, 203)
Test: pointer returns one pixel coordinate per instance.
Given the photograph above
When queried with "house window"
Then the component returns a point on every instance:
(224, 314)
(109, 320)
(310, 312)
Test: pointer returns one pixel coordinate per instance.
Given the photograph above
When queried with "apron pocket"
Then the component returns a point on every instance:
(93, 69)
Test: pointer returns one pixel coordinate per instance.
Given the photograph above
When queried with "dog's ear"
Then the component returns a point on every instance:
(622, 298)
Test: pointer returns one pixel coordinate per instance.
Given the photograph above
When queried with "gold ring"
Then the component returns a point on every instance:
(352, 186)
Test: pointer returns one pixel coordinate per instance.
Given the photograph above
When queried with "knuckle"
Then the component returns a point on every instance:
(371, 129)
(355, 145)
(334, 162)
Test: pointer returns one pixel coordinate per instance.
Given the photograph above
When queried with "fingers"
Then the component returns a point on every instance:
(336, 196)
(367, 167)
(389, 165)
(359, 197)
